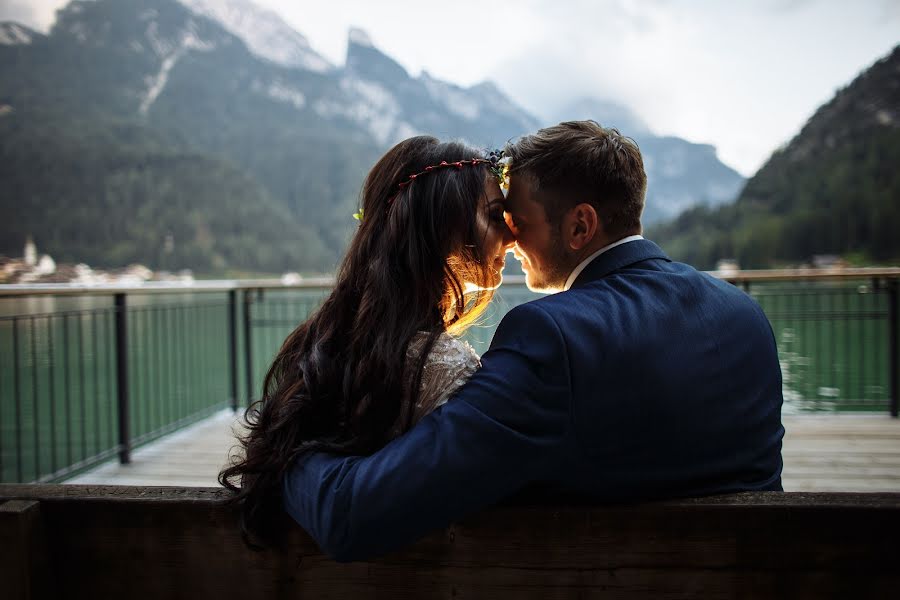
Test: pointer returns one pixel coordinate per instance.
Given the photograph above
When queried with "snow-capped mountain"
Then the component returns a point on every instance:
(265, 33)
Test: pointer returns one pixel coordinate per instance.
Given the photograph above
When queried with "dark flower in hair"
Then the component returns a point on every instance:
(500, 168)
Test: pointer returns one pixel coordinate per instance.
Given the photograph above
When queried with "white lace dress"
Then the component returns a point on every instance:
(449, 365)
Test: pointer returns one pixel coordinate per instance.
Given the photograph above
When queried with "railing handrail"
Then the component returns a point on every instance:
(227, 285)
(808, 274)
(159, 287)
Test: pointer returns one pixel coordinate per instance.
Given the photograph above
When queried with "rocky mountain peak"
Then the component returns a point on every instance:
(368, 62)
(136, 25)
(14, 34)
(359, 37)
(264, 32)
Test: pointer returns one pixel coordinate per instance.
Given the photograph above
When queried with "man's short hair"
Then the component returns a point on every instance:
(580, 161)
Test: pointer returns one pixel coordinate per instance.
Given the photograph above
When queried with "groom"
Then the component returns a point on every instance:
(643, 379)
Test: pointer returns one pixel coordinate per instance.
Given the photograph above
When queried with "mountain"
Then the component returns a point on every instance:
(13, 34)
(392, 105)
(115, 192)
(832, 190)
(120, 91)
(265, 33)
(680, 174)
(258, 144)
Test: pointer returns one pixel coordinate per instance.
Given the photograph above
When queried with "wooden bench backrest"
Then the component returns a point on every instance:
(60, 541)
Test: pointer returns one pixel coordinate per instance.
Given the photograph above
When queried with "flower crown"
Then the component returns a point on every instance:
(444, 164)
(499, 167)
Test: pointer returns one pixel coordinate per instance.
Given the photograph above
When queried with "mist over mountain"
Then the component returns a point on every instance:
(605, 112)
(215, 124)
(833, 189)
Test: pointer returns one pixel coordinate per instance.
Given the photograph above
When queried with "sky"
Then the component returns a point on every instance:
(743, 75)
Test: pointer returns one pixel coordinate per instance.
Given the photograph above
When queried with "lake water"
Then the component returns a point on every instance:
(58, 391)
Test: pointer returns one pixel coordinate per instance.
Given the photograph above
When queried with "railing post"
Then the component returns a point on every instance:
(122, 378)
(232, 348)
(893, 350)
(248, 345)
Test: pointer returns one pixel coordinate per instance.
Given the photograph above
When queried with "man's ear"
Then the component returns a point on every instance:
(581, 226)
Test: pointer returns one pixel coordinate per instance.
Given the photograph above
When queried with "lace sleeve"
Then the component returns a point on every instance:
(449, 365)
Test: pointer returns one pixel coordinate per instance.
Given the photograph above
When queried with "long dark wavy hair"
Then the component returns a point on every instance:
(340, 381)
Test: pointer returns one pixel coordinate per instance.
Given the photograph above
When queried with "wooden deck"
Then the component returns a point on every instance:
(190, 457)
(828, 453)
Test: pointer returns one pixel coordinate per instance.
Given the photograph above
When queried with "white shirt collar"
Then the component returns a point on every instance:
(581, 266)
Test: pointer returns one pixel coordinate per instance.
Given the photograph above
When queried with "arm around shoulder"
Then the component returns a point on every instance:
(508, 427)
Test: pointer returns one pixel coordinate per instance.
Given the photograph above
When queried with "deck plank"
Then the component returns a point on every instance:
(822, 453)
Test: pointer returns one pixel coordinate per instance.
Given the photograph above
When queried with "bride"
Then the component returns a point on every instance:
(382, 350)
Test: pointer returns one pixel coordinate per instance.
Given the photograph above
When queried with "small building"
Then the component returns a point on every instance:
(828, 261)
(727, 266)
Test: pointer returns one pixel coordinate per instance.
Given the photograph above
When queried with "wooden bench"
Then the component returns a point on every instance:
(59, 541)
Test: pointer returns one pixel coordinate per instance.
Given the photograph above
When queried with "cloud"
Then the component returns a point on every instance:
(37, 14)
(19, 11)
(742, 76)
(890, 11)
(786, 6)
(613, 49)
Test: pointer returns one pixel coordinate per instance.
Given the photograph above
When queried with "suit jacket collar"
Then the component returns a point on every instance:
(618, 258)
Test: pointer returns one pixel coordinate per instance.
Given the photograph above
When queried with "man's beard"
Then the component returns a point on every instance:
(557, 268)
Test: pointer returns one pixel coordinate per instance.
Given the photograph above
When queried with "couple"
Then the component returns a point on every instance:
(642, 379)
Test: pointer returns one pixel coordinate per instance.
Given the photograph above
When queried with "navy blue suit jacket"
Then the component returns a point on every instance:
(646, 380)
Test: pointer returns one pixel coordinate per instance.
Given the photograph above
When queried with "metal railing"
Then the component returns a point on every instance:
(88, 373)
(837, 334)
(82, 384)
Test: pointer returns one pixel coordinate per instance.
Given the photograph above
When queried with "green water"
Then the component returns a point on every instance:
(58, 389)
(833, 345)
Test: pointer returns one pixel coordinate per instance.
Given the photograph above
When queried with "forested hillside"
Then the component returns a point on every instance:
(834, 189)
(116, 192)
